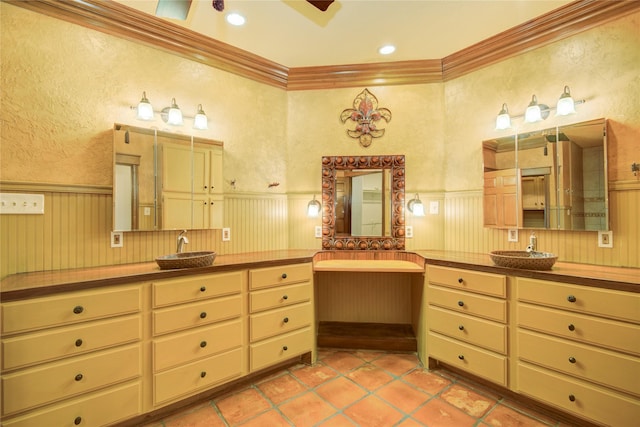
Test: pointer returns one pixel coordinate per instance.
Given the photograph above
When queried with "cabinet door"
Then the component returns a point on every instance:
(216, 212)
(200, 170)
(215, 171)
(500, 200)
(176, 211)
(176, 167)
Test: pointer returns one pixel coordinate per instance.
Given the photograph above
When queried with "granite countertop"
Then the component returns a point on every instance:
(28, 285)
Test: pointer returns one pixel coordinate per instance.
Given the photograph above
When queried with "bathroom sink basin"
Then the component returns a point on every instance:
(523, 259)
(186, 260)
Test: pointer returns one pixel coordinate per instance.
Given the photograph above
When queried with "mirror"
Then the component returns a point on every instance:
(165, 181)
(363, 202)
(554, 178)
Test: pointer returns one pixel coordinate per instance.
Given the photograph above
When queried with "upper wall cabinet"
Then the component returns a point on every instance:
(165, 181)
(554, 178)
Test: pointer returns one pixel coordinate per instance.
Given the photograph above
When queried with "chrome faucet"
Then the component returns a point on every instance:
(533, 243)
(182, 240)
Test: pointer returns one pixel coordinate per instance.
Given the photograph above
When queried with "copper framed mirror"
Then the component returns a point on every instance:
(379, 202)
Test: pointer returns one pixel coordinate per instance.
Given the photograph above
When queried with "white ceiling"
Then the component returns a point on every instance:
(293, 33)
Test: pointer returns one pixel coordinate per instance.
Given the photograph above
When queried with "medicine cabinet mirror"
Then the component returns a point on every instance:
(363, 202)
(165, 181)
(553, 178)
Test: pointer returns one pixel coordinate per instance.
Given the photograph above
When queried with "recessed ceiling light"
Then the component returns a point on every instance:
(236, 19)
(387, 49)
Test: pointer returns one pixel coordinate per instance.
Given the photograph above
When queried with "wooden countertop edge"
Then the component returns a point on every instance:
(35, 284)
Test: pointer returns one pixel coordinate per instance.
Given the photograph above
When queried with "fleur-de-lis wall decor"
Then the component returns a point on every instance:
(365, 113)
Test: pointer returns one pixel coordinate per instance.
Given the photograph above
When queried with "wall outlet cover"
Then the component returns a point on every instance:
(226, 234)
(318, 231)
(434, 207)
(117, 239)
(408, 231)
(605, 239)
(512, 235)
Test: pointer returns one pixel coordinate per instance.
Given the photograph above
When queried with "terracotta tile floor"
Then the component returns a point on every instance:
(360, 388)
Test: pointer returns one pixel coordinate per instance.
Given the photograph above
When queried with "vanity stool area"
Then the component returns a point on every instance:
(126, 345)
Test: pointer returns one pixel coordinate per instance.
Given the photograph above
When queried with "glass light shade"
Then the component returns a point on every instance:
(503, 121)
(565, 104)
(313, 208)
(175, 115)
(200, 121)
(533, 113)
(145, 110)
(415, 206)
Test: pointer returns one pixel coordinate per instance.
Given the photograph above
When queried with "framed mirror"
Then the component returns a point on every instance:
(363, 202)
(553, 178)
(165, 181)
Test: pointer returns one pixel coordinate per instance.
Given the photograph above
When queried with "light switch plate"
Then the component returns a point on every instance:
(21, 204)
(117, 239)
(434, 207)
(226, 234)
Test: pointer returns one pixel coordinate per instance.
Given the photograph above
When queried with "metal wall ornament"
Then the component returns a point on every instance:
(365, 113)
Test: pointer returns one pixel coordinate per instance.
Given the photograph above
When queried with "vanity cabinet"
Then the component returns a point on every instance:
(467, 321)
(578, 349)
(281, 314)
(198, 338)
(72, 359)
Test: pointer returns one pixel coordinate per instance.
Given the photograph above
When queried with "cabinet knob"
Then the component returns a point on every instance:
(203, 314)
(203, 288)
(461, 327)
(284, 275)
(285, 297)
(460, 280)
(285, 320)
(77, 421)
(285, 348)
(571, 298)
(78, 342)
(461, 356)
(203, 344)
(572, 359)
(571, 327)
(203, 374)
(78, 309)
(79, 377)
(205, 187)
(572, 398)
(461, 303)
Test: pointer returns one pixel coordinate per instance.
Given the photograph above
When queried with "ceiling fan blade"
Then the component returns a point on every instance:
(323, 5)
(176, 9)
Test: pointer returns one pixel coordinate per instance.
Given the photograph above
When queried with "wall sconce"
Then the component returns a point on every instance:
(171, 115)
(415, 206)
(537, 112)
(313, 208)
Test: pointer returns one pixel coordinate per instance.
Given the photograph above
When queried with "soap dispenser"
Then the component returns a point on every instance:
(533, 242)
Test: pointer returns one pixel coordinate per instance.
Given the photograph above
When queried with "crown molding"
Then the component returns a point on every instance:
(122, 21)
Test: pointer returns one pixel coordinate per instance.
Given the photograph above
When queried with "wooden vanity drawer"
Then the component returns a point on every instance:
(279, 321)
(279, 297)
(465, 302)
(479, 362)
(73, 307)
(583, 299)
(196, 314)
(484, 333)
(54, 381)
(280, 348)
(186, 347)
(283, 275)
(190, 378)
(591, 402)
(29, 349)
(95, 410)
(601, 366)
(194, 288)
(472, 281)
(587, 329)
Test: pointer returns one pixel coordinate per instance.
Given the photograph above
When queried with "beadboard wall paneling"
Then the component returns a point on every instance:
(301, 227)
(429, 230)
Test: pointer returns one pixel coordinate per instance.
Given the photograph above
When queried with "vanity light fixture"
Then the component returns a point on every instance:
(173, 114)
(565, 104)
(200, 121)
(313, 208)
(415, 206)
(503, 121)
(536, 112)
(145, 110)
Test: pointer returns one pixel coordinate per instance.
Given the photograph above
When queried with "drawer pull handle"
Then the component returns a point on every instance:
(78, 342)
(572, 359)
(203, 374)
(461, 303)
(203, 344)
(285, 320)
(571, 327)
(284, 275)
(572, 398)
(203, 314)
(77, 421)
(461, 327)
(285, 348)
(571, 298)
(285, 297)
(79, 377)
(461, 356)
(78, 309)
(203, 288)
(460, 280)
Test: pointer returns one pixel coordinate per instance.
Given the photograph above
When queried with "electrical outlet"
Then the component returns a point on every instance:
(408, 231)
(605, 239)
(513, 235)
(116, 239)
(318, 231)
(226, 234)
